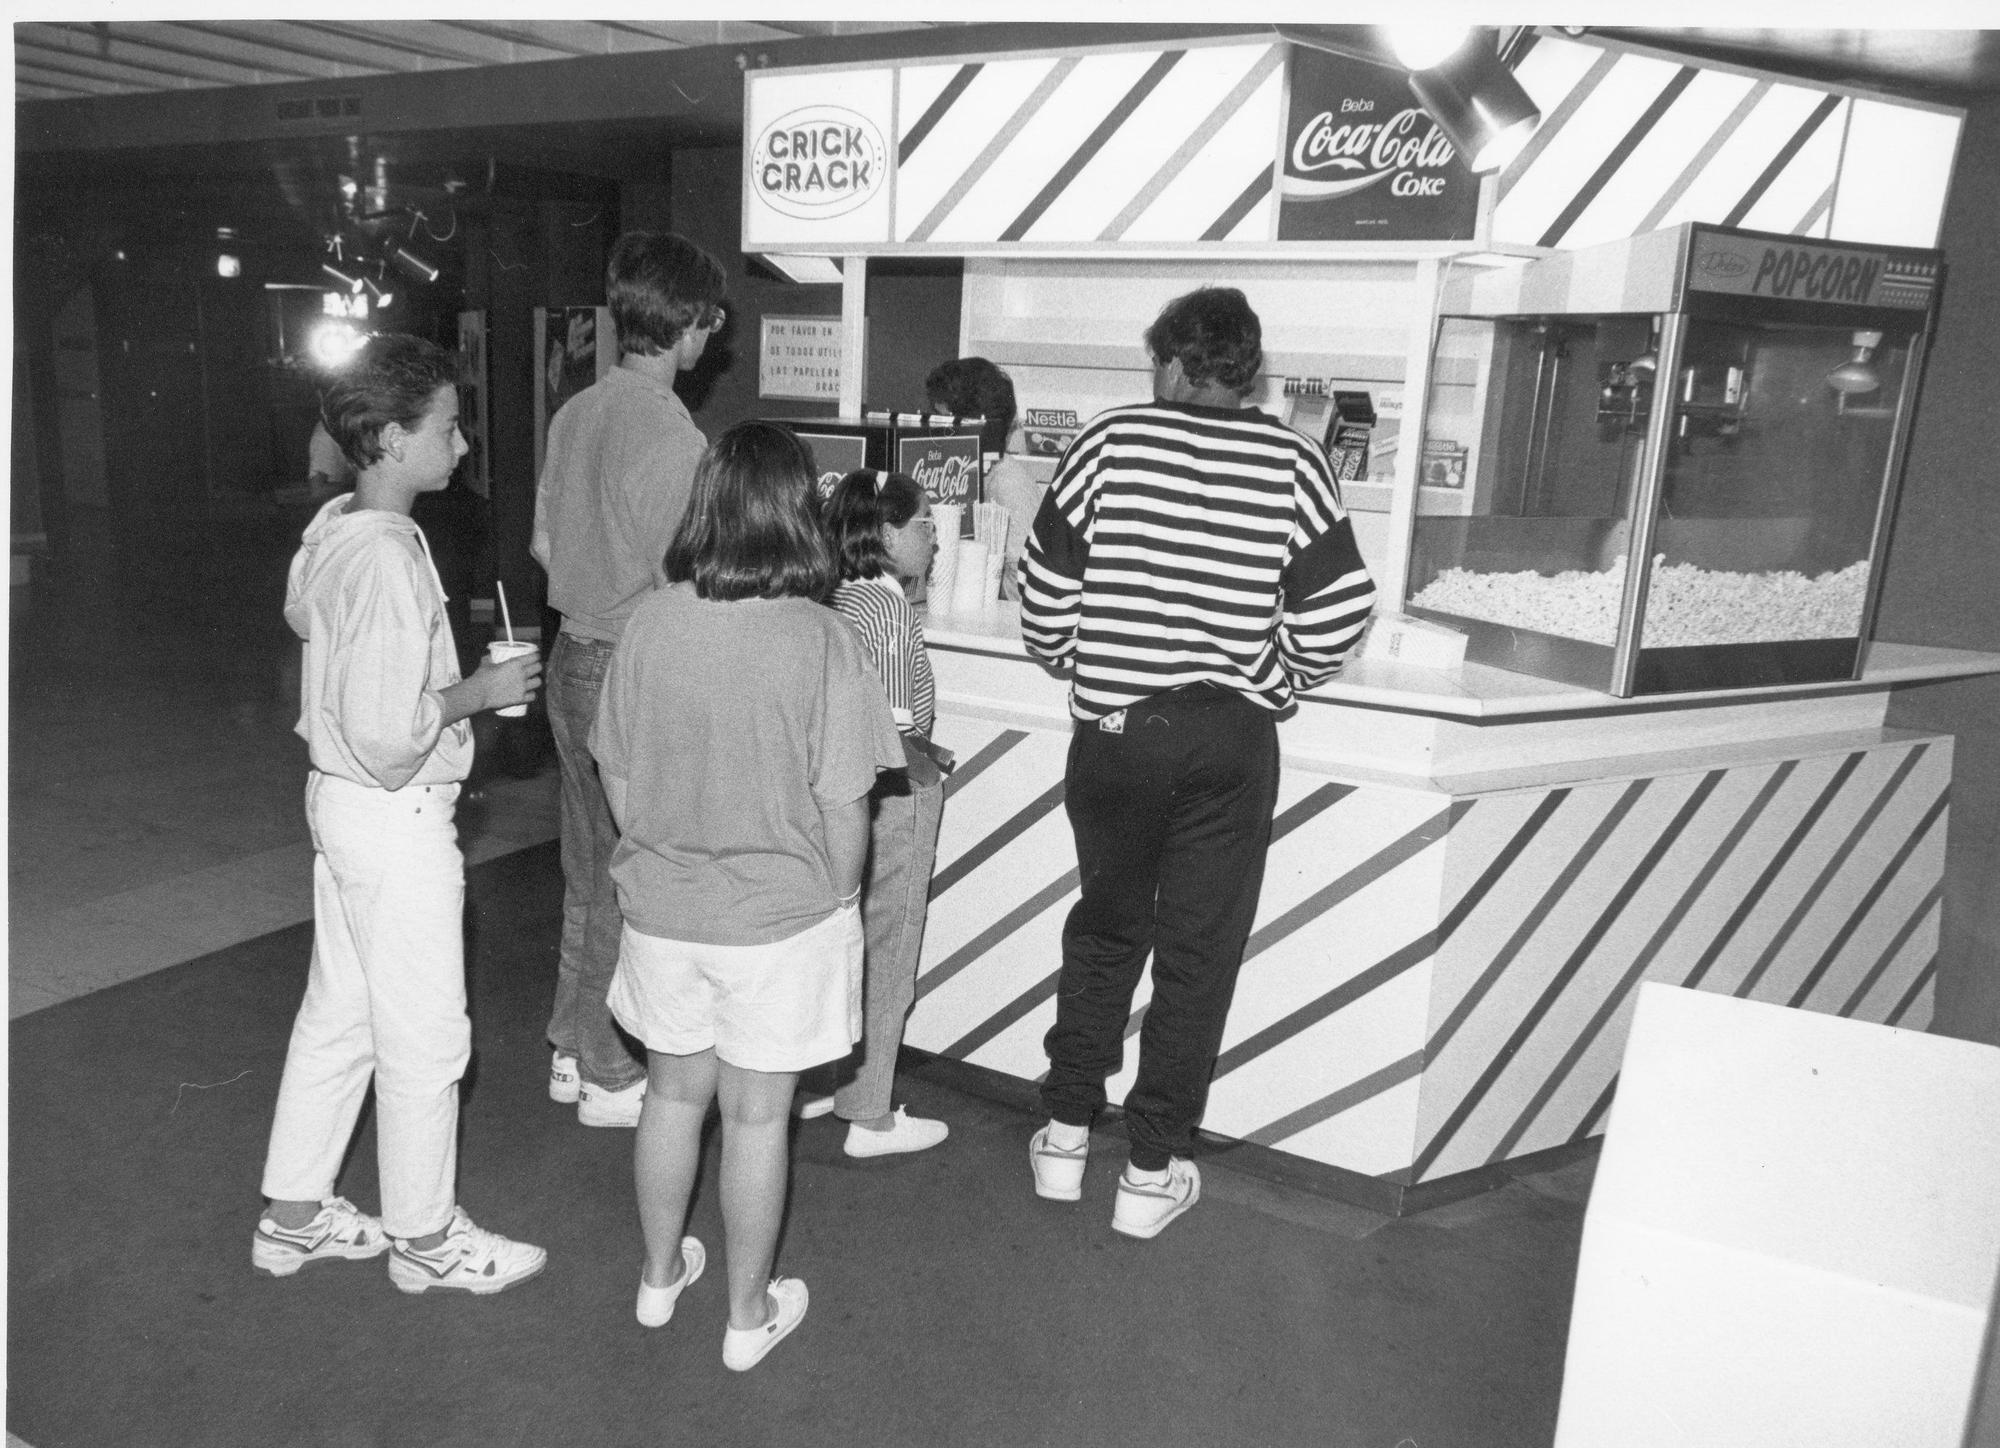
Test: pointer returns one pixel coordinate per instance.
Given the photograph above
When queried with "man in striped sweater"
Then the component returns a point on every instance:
(1191, 568)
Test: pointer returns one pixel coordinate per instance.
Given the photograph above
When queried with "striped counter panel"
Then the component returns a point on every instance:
(1630, 143)
(1174, 145)
(1319, 1018)
(1812, 883)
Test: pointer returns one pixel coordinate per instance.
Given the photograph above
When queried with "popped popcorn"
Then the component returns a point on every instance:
(1687, 605)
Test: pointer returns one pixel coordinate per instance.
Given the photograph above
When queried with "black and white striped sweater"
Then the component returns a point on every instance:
(1182, 543)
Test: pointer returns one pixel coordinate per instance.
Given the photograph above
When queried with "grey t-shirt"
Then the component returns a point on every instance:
(732, 725)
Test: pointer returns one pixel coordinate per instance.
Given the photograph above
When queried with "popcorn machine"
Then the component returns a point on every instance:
(1682, 455)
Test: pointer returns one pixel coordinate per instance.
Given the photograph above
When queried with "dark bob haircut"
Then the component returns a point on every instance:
(392, 377)
(863, 504)
(752, 527)
(1214, 334)
(658, 285)
(973, 386)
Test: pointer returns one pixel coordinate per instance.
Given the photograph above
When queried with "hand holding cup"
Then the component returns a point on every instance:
(513, 674)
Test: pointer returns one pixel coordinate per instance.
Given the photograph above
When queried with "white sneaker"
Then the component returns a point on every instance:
(1058, 1169)
(1143, 1209)
(599, 1107)
(909, 1133)
(469, 1259)
(744, 1348)
(563, 1079)
(339, 1230)
(656, 1304)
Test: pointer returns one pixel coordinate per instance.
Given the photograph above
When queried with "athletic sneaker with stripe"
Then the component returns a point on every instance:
(1144, 1208)
(339, 1230)
(469, 1259)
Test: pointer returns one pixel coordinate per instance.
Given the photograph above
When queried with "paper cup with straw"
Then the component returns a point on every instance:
(509, 648)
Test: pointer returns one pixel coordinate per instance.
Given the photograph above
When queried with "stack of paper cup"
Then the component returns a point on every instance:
(944, 571)
(968, 589)
(950, 521)
(996, 563)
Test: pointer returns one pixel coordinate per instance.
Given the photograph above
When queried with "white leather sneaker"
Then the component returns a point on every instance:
(1143, 1209)
(598, 1107)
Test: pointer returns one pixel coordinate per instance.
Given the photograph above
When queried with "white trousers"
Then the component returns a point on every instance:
(385, 998)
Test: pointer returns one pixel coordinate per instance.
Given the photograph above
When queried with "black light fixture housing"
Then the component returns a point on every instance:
(1478, 104)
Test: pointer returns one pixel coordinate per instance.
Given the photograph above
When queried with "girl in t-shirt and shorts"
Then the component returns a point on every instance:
(739, 736)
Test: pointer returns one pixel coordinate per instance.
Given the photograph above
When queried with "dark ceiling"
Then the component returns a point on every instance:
(191, 155)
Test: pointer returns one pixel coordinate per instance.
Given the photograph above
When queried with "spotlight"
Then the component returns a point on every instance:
(415, 265)
(333, 344)
(1419, 47)
(382, 298)
(227, 265)
(1478, 104)
(353, 284)
(1858, 373)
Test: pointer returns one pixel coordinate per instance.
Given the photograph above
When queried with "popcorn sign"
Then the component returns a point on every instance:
(1362, 162)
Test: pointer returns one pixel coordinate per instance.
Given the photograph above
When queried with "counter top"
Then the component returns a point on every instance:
(1478, 692)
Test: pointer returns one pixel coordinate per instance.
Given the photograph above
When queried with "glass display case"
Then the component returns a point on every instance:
(1677, 458)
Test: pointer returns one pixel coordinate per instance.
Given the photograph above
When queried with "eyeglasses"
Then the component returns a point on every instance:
(713, 319)
(929, 525)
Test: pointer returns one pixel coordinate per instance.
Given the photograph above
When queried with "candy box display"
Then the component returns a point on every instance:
(1681, 454)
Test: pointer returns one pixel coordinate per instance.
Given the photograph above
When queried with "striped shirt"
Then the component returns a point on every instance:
(893, 639)
(1182, 543)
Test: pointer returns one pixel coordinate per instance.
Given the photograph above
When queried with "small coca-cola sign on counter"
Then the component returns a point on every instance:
(947, 466)
(1364, 162)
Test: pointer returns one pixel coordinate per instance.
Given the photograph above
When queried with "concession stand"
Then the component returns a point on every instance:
(1620, 428)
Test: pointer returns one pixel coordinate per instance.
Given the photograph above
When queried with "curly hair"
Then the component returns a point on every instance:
(862, 505)
(1214, 335)
(973, 386)
(392, 377)
(752, 527)
(658, 285)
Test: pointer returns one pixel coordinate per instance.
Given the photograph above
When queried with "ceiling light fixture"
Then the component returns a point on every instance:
(415, 265)
(352, 284)
(1419, 47)
(1477, 103)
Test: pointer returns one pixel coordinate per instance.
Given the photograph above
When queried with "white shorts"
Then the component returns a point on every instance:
(785, 1006)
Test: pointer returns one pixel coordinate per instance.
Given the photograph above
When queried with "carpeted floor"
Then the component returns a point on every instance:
(950, 1306)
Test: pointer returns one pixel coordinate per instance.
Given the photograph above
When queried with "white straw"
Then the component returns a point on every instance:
(504, 618)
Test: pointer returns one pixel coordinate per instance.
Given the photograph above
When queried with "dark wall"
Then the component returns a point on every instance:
(1940, 586)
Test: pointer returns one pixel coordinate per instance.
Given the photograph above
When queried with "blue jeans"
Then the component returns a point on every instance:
(581, 1025)
(895, 899)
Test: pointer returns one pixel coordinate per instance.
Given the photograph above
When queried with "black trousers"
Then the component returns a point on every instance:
(1172, 818)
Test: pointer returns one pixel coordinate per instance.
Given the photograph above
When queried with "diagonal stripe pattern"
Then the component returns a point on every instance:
(1392, 1021)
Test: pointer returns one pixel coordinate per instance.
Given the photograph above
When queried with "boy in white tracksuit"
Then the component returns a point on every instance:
(384, 711)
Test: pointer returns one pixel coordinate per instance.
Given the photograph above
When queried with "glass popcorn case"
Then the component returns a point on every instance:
(1675, 457)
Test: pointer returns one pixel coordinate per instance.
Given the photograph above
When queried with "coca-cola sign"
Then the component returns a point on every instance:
(946, 467)
(1364, 162)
